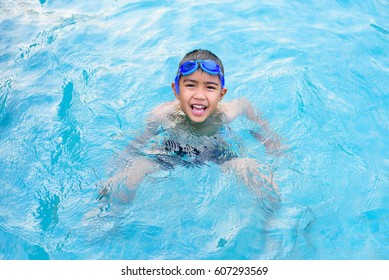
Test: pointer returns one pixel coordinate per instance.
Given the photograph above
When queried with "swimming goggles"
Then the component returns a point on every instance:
(189, 67)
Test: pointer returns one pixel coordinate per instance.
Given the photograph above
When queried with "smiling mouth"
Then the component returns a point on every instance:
(198, 109)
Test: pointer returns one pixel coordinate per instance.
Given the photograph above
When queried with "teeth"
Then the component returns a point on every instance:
(198, 106)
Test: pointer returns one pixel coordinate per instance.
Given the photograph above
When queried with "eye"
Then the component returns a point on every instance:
(211, 87)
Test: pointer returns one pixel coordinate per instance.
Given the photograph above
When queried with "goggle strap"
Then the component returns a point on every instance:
(176, 84)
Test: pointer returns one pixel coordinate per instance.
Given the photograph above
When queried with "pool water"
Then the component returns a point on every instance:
(78, 80)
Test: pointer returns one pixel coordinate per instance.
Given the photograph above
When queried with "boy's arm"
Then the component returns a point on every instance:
(158, 116)
(268, 137)
(136, 167)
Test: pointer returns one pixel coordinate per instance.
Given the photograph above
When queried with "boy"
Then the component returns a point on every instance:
(189, 131)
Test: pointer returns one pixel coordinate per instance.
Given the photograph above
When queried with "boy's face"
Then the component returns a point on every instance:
(200, 94)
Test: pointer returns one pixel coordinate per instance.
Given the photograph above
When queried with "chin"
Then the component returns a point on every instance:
(196, 119)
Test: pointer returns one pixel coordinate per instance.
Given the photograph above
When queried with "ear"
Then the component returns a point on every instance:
(174, 91)
(222, 93)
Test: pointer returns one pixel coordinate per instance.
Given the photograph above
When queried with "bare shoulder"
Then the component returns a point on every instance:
(235, 108)
(163, 111)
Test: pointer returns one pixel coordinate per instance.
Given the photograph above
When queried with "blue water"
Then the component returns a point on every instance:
(77, 81)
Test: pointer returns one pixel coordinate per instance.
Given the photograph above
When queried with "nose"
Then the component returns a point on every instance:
(200, 93)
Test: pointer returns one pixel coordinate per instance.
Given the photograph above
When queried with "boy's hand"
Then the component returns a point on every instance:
(273, 145)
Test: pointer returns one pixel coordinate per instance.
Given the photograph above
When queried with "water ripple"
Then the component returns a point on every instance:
(79, 79)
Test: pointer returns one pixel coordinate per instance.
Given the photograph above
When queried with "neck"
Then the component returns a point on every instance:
(208, 127)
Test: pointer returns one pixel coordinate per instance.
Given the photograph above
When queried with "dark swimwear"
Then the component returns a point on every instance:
(189, 156)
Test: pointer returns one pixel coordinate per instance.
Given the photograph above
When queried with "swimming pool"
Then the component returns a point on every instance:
(78, 79)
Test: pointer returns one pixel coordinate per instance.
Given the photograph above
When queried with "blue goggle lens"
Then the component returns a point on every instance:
(188, 67)
(211, 67)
